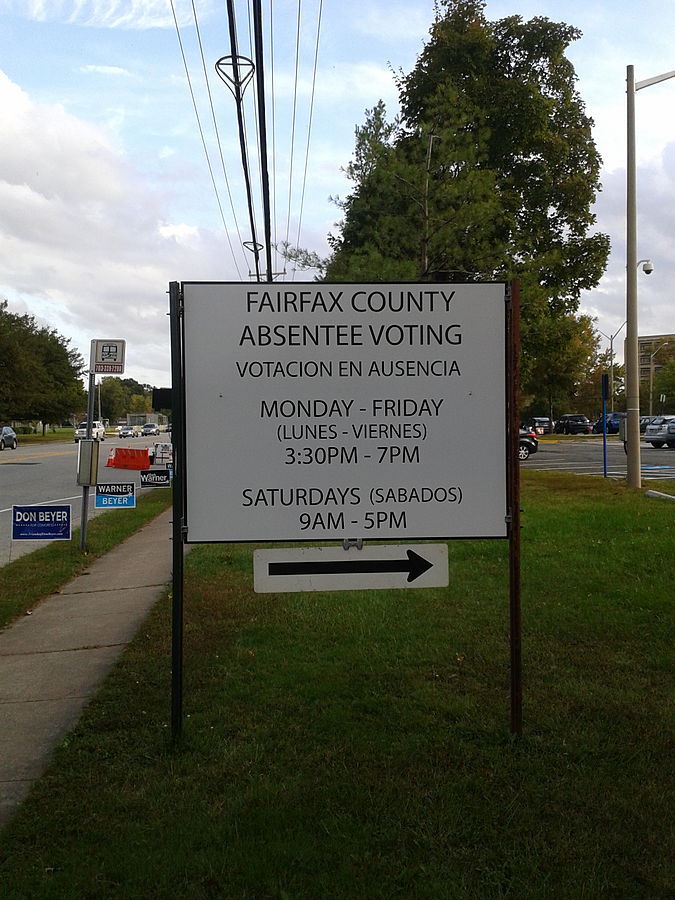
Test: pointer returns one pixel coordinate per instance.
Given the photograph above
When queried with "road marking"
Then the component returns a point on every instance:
(40, 455)
(45, 502)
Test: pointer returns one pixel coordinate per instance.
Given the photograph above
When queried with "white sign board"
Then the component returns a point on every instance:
(323, 411)
(107, 357)
(376, 567)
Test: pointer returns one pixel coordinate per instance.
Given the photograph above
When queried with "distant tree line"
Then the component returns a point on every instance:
(40, 375)
(120, 396)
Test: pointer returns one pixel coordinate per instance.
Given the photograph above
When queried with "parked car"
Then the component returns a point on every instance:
(7, 438)
(644, 421)
(541, 425)
(656, 433)
(527, 443)
(127, 431)
(97, 431)
(670, 435)
(150, 428)
(613, 420)
(573, 423)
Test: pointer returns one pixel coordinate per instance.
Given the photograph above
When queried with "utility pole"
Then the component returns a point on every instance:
(260, 83)
(425, 208)
(237, 86)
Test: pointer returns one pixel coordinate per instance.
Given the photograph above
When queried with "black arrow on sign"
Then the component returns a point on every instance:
(415, 565)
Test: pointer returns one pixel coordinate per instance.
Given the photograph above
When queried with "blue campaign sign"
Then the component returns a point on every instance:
(115, 496)
(41, 523)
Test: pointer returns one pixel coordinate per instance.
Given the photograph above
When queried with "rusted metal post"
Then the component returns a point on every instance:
(513, 490)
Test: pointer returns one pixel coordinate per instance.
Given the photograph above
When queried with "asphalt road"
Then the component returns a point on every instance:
(47, 474)
(584, 456)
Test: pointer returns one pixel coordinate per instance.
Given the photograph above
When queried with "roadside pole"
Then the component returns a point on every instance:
(513, 489)
(604, 424)
(178, 439)
(90, 422)
(106, 357)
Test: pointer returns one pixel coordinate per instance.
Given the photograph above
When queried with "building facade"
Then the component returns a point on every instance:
(652, 355)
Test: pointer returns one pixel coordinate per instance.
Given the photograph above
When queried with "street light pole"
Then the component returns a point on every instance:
(633, 477)
(610, 338)
(651, 375)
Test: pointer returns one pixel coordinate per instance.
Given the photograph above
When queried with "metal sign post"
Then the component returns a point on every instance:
(178, 439)
(106, 357)
(513, 517)
(85, 487)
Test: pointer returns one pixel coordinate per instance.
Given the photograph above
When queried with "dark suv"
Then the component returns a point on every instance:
(573, 424)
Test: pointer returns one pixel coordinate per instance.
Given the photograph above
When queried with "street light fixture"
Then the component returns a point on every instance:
(651, 374)
(633, 476)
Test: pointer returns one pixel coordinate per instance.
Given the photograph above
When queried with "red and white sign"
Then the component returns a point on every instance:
(107, 357)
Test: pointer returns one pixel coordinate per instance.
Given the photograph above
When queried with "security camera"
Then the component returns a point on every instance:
(647, 266)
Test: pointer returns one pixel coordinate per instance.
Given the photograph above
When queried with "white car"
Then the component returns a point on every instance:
(670, 434)
(657, 432)
(97, 431)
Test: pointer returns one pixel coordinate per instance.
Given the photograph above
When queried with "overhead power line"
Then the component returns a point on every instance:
(261, 142)
(203, 139)
(309, 124)
(234, 83)
(213, 118)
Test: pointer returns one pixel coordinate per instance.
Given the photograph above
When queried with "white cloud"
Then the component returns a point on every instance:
(83, 242)
(396, 22)
(656, 225)
(181, 233)
(104, 70)
(351, 81)
(131, 14)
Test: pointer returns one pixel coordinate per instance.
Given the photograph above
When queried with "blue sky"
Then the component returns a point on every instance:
(105, 195)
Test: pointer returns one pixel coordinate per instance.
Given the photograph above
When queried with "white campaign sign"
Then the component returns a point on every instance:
(325, 411)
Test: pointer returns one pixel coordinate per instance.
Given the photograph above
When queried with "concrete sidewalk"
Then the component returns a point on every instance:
(52, 661)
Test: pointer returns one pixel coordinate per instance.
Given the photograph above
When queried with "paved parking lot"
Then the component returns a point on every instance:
(585, 457)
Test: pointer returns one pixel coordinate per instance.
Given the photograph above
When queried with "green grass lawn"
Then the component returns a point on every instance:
(356, 744)
(57, 434)
(31, 578)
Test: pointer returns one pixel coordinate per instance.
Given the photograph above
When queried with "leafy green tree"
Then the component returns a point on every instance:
(40, 375)
(664, 383)
(588, 393)
(17, 367)
(490, 172)
(135, 387)
(114, 398)
(140, 403)
(565, 368)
